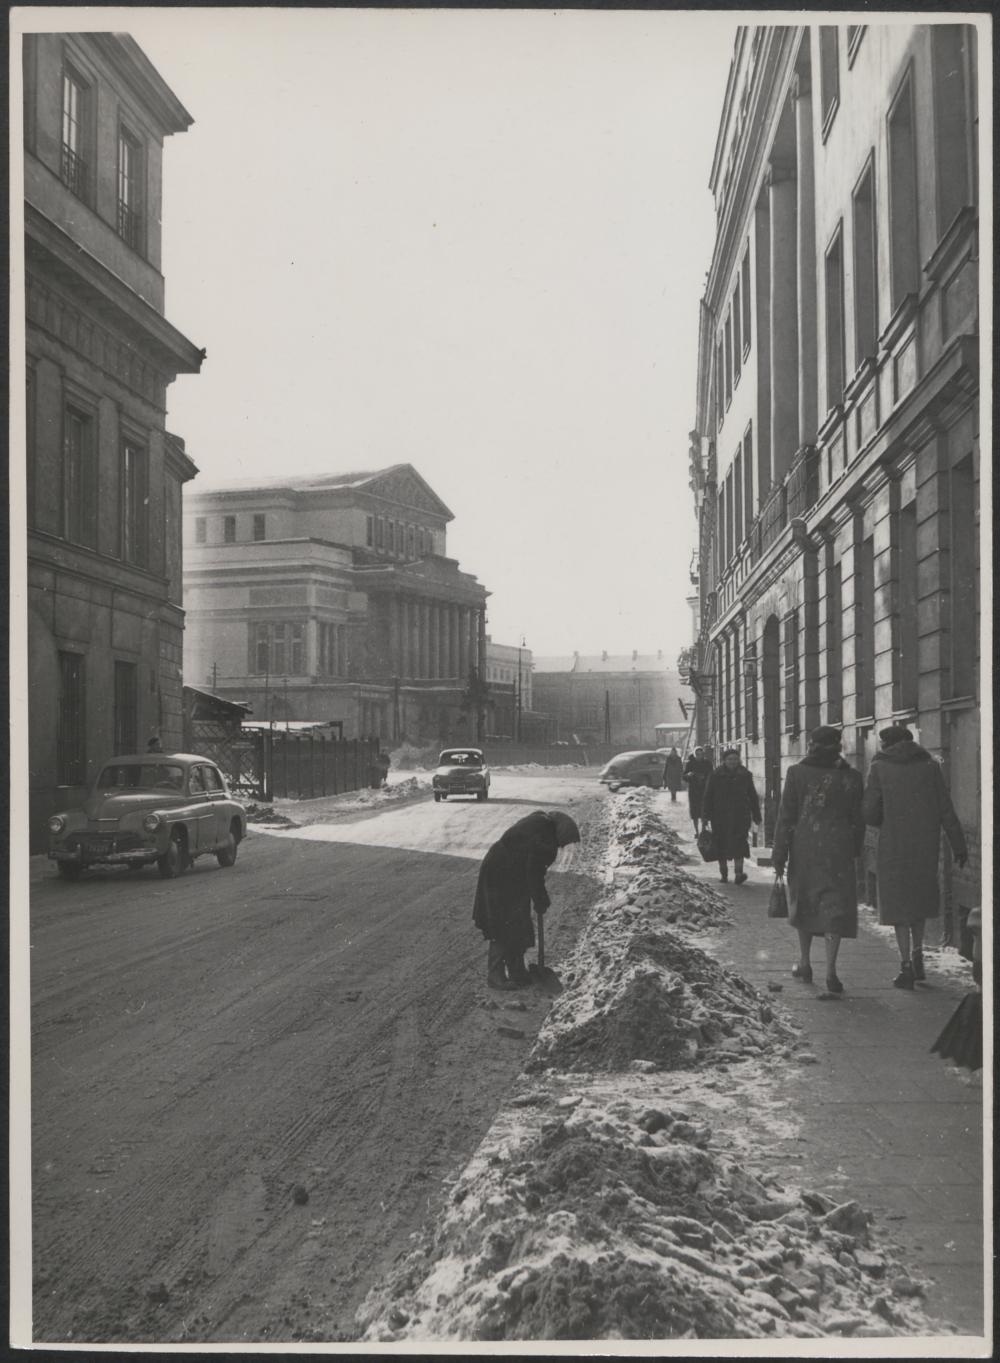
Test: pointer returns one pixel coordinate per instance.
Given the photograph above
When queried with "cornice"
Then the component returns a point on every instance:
(134, 69)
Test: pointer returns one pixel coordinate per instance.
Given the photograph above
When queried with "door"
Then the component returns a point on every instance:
(202, 812)
(770, 680)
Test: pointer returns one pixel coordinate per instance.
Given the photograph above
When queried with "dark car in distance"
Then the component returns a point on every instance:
(634, 769)
(166, 808)
(461, 771)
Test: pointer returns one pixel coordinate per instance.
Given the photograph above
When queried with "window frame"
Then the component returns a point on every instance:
(71, 723)
(867, 177)
(201, 529)
(133, 510)
(229, 524)
(75, 511)
(77, 174)
(125, 719)
(829, 76)
(130, 183)
(836, 345)
(259, 523)
(903, 220)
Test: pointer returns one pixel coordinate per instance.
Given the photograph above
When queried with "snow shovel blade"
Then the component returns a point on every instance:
(541, 974)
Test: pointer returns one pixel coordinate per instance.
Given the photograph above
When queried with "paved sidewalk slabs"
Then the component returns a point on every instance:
(882, 1120)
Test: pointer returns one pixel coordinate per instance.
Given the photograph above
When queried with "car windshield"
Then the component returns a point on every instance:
(460, 757)
(144, 776)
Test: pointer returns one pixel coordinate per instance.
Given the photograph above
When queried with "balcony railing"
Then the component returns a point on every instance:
(129, 226)
(802, 483)
(74, 172)
(773, 517)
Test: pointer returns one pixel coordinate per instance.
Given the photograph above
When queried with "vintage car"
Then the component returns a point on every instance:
(166, 808)
(461, 771)
(634, 769)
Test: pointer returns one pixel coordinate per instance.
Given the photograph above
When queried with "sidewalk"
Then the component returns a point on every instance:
(883, 1120)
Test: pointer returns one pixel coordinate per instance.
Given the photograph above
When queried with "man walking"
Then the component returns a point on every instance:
(907, 801)
(697, 770)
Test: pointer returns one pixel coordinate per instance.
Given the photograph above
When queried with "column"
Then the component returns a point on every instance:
(393, 604)
(435, 668)
(404, 637)
(806, 218)
(784, 320)
(762, 320)
(414, 637)
(463, 644)
(425, 639)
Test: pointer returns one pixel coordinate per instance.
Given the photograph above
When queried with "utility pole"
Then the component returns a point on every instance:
(607, 715)
(519, 702)
(215, 675)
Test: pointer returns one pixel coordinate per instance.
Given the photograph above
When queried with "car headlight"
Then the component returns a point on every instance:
(57, 823)
(151, 822)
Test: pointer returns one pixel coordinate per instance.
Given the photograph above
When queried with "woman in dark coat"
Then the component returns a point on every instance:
(819, 833)
(673, 773)
(907, 801)
(730, 805)
(697, 770)
(511, 880)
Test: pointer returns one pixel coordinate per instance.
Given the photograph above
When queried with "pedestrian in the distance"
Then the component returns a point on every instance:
(673, 773)
(154, 744)
(511, 882)
(819, 833)
(907, 801)
(697, 770)
(730, 805)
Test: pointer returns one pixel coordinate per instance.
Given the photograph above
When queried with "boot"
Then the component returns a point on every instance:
(496, 977)
(517, 971)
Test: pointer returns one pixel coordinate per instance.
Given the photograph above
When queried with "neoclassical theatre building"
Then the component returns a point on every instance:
(835, 459)
(331, 598)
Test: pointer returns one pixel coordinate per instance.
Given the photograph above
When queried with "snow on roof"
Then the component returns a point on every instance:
(302, 483)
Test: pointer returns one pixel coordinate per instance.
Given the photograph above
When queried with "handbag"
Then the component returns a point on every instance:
(706, 845)
(777, 905)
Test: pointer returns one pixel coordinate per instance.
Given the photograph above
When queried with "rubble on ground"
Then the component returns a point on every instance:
(625, 1192)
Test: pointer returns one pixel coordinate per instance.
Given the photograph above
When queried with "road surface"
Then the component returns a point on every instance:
(250, 1085)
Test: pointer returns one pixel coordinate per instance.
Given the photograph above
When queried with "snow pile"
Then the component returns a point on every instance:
(268, 815)
(592, 1220)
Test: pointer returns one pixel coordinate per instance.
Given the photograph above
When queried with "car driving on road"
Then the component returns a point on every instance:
(634, 769)
(166, 808)
(461, 771)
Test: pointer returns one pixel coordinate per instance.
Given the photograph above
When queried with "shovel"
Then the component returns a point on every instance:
(541, 974)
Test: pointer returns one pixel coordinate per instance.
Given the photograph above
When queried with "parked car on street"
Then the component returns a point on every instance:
(634, 769)
(166, 808)
(461, 771)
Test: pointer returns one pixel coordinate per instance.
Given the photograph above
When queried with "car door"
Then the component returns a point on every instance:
(215, 789)
(202, 811)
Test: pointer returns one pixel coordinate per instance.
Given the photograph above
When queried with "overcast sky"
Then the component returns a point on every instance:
(471, 241)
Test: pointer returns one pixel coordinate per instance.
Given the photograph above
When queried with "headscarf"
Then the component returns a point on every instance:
(566, 829)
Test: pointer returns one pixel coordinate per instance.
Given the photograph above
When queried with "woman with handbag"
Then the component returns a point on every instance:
(819, 833)
(730, 805)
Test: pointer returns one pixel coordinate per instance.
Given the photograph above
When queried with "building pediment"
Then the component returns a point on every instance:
(403, 486)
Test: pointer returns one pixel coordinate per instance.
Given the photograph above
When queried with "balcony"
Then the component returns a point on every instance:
(802, 483)
(773, 517)
(74, 172)
(129, 226)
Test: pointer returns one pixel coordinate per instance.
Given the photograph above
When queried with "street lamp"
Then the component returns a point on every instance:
(517, 726)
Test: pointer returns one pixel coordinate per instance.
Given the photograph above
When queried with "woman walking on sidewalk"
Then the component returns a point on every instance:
(673, 773)
(697, 770)
(730, 805)
(907, 801)
(819, 833)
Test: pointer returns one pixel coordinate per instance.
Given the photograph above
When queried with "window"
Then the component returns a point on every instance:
(130, 175)
(135, 504)
(379, 532)
(229, 529)
(79, 479)
(964, 579)
(200, 529)
(864, 629)
(126, 708)
(720, 381)
(737, 688)
(829, 75)
(213, 779)
(904, 268)
(720, 532)
(277, 648)
(855, 32)
(70, 746)
(392, 537)
(258, 526)
(953, 120)
(835, 321)
(737, 341)
(74, 161)
(423, 538)
(790, 644)
(410, 541)
(745, 299)
(748, 506)
(865, 267)
(908, 669)
(730, 521)
(740, 524)
(728, 343)
(29, 440)
(370, 531)
(834, 643)
(750, 691)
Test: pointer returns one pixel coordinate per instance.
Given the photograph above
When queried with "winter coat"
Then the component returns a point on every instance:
(697, 770)
(819, 833)
(673, 772)
(730, 805)
(512, 879)
(907, 801)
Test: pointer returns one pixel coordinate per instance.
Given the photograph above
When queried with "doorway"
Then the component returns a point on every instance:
(770, 680)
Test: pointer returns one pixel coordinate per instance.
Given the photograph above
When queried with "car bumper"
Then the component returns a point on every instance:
(75, 856)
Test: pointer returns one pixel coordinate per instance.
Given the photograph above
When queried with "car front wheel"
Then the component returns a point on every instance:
(174, 860)
(69, 870)
(226, 855)
(483, 795)
(437, 796)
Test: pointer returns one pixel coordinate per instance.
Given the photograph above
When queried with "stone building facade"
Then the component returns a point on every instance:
(614, 698)
(835, 457)
(103, 476)
(332, 598)
(508, 676)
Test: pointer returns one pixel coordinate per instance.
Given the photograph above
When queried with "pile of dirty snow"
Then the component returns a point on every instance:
(268, 815)
(584, 1219)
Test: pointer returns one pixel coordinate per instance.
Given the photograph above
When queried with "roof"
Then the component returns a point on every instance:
(223, 701)
(396, 483)
(578, 663)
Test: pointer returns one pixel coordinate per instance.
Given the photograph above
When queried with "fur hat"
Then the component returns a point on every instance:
(826, 736)
(896, 733)
(730, 749)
